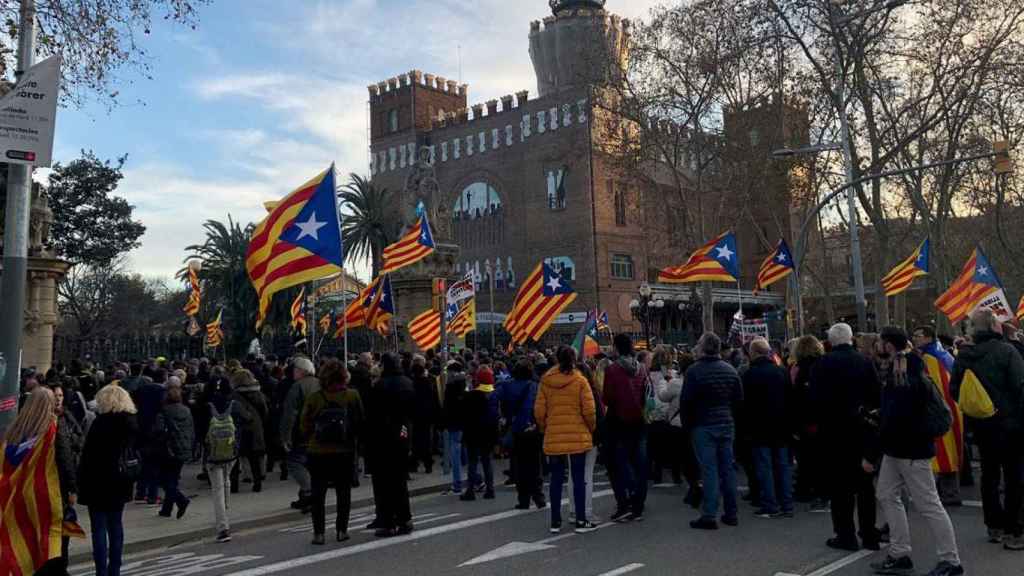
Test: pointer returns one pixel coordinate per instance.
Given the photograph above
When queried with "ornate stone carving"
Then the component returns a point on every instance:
(421, 187)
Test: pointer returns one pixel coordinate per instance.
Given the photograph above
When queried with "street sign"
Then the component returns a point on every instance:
(27, 115)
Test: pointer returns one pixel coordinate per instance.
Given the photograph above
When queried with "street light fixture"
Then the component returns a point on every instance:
(645, 309)
(790, 152)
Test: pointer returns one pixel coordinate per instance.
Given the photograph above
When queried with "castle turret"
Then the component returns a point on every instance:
(580, 44)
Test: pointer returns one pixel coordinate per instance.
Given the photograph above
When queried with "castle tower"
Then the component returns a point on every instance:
(580, 44)
(411, 102)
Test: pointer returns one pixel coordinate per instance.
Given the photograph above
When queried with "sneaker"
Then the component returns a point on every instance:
(468, 496)
(820, 506)
(621, 516)
(342, 536)
(731, 521)
(848, 546)
(182, 507)
(223, 537)
(947, 569)
(404, 529)
(555, 528)
(386, 532)
(540, 503)
(995, 535)
(489, 495)
(374, 525)
(1014, 543)
(766, 514)
(319, 540)
(894, 566)
(585, 527)
(635, 517)
(522, 506)
(164, 513)
(703, 523)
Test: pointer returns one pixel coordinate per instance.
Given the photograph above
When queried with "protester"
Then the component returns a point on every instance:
(908, 449)
(331, 423)
(565, 414)
(252, 412)
(664, 452)
(592, 454)
(517, 398)
(149, 400)
(70, 439)
(452, 418)
(949, 448)
(1000, 370)
(626, 387)
(427, 407)
(174, 429)
(106, 474)
(480, 433)
(305, 384)
(767, 411)
(844, 387)
(710, 397)
(222, 440)
(809, 483)
(392, 399)
(669, 390)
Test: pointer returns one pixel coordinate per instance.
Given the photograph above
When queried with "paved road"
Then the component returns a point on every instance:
(488, 538)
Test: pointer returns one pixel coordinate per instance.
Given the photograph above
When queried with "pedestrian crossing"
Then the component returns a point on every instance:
(364, 518)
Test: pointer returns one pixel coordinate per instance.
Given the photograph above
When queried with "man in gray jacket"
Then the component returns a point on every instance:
(305, 385)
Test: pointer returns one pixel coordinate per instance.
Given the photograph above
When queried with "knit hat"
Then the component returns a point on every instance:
(484, 377)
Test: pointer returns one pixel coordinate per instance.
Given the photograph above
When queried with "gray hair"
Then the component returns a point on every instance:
(709, 345)
(984, 320)
(840, 334)
(306, 365)
(174, 382)
(759, 347)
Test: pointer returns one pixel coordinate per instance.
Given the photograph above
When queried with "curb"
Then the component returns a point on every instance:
(241, 525)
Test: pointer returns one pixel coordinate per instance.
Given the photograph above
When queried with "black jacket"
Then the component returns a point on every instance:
(844, 385)
(903, 413)
(99, 484)
(480, 419)
(767, 404)
(427, 404)
(454, 392)
(393, 400)
(1000, 369)
(711, 391)
(175, 429)
(68, 453)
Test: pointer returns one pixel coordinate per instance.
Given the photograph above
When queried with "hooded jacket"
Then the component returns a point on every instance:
(252, 408)
(624, 383)
(292, 409)
(565, 413)
(1000, 369)
(174, 425)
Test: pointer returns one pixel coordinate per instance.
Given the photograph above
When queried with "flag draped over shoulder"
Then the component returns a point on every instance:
(417, 244)
(715, 261)
(214, 332)
(775, 267)
(425, 330)
(903, 275)
(31, 508)
(299, 241)
(541, 298)
(950, 447)
(977, 286)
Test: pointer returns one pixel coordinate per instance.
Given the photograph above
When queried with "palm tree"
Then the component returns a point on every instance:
(365, 227)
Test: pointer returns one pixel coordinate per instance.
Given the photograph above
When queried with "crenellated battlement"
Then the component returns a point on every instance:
(479, 111)
(420, 80)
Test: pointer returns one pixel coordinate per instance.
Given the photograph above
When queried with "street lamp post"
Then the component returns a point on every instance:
(645, 309)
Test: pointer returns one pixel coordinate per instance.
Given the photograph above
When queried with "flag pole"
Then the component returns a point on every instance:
(344, 295)
(490, 274)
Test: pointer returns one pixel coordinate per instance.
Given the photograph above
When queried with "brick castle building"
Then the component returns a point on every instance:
(524, 179)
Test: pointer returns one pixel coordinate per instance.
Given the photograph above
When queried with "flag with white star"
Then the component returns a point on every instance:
(541, 298)
(903, 275)
(299, 241)
(716, 261)
(775, 267)
(978, 286)
(417, 244)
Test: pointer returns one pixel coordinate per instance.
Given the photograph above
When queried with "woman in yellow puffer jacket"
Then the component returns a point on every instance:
(566, 415)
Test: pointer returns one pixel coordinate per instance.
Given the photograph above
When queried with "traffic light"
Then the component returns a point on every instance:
(438, 290)
(1001, 149)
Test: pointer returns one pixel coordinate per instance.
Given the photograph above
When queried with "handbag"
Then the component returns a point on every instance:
(129, 464)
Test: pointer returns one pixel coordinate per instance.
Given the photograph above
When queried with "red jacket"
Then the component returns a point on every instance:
(624, 382)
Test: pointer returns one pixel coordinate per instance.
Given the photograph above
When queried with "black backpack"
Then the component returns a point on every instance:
(129, 464)
(331, 425)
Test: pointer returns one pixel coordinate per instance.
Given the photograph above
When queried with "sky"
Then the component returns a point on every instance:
(265, 94)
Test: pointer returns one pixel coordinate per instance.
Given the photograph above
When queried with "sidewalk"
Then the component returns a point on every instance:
(145, 530)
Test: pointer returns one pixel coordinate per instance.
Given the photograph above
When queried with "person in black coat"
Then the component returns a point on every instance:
(845, 387)
(103, 487)
(392, 400)
(149, 401)
(767, 395)
(427, 407)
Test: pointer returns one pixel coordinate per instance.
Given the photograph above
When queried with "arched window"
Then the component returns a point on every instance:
(478, 216)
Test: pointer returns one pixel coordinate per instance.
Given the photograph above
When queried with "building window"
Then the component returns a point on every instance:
(479, 216)
(622, 267)
(393, 120)
(620, 204)
(557, 188)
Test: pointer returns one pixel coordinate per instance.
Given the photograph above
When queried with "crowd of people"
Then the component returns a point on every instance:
(848, 425)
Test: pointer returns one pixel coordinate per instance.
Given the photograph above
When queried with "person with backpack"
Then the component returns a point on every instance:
(252, 409)
(516, 398)
(908, 428)
(331, 423)
(480, 429)
(176, 431)
(996, 366)
(108, 467)
(222, 439)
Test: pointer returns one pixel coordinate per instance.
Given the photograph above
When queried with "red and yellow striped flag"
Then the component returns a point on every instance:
(214, 332)
(903, 275)
(299, 312)
(541, 298)
(775, 267)
(417, 244)
(464, 321)
(31, 508)
(976, 282)
(1020, 311)
(715, 261)
(192, 306)
(425, 330)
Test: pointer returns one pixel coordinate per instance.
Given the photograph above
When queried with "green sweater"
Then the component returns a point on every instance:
(317, 402)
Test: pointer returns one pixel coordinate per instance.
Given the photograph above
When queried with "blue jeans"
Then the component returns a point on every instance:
(713, 445)
(107, 539)
(578, 464)
(147, 488)
(629, 445)
(775, 477)
(454, 451)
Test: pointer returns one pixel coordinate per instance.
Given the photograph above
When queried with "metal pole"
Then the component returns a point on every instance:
(491, 274)
(16, 240)
(344, 314)
(311, 326)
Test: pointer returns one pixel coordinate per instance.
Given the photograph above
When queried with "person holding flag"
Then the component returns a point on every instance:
(949, 448)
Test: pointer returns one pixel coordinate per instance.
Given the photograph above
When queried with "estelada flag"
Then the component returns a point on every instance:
(192, 306)
(978, 286)
(417, 244)
(903, 275)
(299, 312)
(214, 332)
(380, 306)
(462, 318)
(355, 313)
(541, 298)
(949, 448)
(715, 261)
(775, 267)
(31, 508)
(299, 241)
(425, 330)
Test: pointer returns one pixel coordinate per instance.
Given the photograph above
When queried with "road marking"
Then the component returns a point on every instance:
(973, 503)
(624, 570)
(842, 563)
(183, 564)
(389, 542)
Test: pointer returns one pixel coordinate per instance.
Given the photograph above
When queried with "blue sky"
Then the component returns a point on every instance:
(259, 98)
